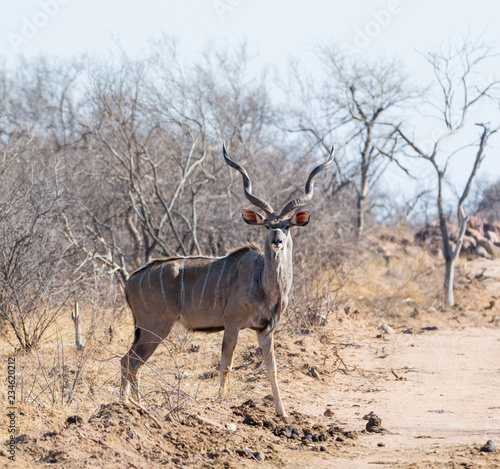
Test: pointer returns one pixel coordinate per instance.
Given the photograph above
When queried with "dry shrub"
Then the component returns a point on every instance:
(386, 276)
(394, 287)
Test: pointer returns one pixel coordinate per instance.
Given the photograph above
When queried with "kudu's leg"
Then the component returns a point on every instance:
(226, 360)
(266, 344)
(145, 343)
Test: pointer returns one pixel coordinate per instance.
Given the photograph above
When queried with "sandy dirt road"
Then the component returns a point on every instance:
(446, 401)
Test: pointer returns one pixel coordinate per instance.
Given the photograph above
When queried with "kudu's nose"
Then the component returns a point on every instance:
(277, 244)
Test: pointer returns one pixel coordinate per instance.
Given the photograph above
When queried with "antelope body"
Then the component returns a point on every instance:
(245, 289)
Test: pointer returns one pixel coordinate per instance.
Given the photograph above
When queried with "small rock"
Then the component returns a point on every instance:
(329, 413)
(374, 424)
(74, 419)
(489, 447)
(257, 455)
(380, 445)
(386, 329)
(232, 426)
(369, 416)
(340, 439)
(314, 372)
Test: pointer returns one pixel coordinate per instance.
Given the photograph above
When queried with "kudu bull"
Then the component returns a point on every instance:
(245, 289)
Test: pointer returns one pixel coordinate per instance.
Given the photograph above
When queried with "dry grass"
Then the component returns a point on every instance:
(55, 380)
(390, 281)
(393, 287)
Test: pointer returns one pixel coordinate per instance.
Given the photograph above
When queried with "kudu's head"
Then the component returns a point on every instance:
(278, 225)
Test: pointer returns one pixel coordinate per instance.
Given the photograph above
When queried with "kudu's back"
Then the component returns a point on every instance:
(196, 292)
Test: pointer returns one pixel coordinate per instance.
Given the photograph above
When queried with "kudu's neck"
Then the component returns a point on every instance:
(278, 271)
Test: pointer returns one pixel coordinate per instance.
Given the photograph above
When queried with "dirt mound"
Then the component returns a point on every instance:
(121, 434)
(118, 434)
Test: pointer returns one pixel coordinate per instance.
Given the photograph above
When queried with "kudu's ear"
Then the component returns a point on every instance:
(252, 218)
(300, 218)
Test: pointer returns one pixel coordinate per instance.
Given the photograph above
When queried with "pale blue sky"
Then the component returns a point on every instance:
(274, 30)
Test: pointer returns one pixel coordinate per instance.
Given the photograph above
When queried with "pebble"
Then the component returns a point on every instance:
(329, 413)
(374, 424)
(489, 447)
(231, 426)
(74, 419)
(314, 372)
(387, 329)
(257, 455)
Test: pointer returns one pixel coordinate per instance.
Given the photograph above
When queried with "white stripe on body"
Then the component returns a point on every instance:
(161, 282)
(183, 292)
(205, 282)
(218, 281)
(149, 277)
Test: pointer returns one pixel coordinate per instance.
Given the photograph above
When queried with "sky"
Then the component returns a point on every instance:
(273, 30)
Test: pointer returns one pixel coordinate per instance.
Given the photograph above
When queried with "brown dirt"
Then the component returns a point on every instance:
(436, 392)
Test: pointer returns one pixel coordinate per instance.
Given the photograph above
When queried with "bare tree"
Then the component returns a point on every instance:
(35, 272)
(151, 131)
(34, 281)
(354, 102)
(151, 150)
(456, 71)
